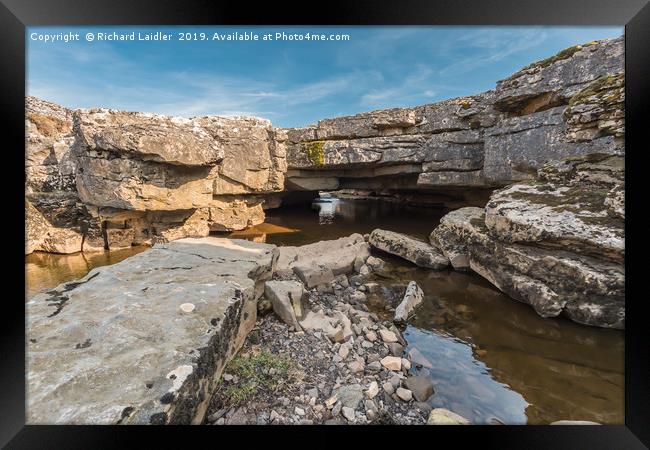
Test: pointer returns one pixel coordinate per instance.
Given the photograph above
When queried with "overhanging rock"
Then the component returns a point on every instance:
(143, 341)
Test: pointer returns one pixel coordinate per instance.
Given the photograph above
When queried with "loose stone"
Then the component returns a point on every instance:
(404, 394)
(392, 363)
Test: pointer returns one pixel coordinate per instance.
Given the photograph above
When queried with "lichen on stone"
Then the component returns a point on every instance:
(609, 87)
(315, 151)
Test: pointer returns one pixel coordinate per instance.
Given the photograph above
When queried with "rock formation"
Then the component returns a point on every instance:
(556, 243)
(154, 353)
(100, 178)
(567, 105)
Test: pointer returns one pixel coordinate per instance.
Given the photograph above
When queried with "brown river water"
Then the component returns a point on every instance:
(490, 358)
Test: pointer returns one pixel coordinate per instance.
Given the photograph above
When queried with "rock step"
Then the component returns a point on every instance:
(143, 341)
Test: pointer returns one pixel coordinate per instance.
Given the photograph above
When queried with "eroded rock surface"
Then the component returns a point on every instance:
(337, 255)
(125, 345)
(418, 252)
(569, 104)
(557, 243)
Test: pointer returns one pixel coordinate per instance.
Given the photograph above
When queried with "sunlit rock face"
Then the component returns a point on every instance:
(55, 217)
(111, 176)
(177, 313)
(556, 243)
(102, 179)
(570, 104)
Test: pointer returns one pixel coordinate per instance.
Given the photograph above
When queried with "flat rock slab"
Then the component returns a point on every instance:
(117, 347)
(337, 255)
(419, 253)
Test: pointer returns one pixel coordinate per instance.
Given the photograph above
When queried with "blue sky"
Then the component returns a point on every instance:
(292, 83)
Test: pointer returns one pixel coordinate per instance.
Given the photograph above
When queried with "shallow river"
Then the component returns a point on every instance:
(490, 358)
(47, 270)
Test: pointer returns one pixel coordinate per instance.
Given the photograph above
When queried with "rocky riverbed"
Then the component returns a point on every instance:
(522, 186)
(324, 357)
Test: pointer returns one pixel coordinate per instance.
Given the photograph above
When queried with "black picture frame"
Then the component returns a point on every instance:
(15, 15)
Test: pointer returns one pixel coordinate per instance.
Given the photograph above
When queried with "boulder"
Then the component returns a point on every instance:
(375, 264)
(442, 416)
(453, 233)
(337, 255)
(286, 298)
(159, 363)
(418, 252)
(404, 394)
(412, 298)
(388, 336)
(350, 395)
(337, 328)
(314, 275)
(392, 363)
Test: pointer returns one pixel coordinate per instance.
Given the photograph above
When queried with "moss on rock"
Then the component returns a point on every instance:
(561, 55)
(609, 88)
(315, 151)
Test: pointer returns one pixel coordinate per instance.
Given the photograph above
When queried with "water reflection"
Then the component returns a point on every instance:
(492, 357)
(488, 356)
(47, 270)
(462, 384)
(342, 217)
(327, 209)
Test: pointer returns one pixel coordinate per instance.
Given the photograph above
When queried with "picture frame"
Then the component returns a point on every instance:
(16, 15)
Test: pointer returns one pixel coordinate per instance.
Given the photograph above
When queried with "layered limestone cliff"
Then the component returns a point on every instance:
(556, 243)
(543, 112)
(104, 179)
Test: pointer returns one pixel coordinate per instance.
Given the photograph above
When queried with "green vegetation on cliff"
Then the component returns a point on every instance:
(561, 55)
(315, 151)
(609, 88)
